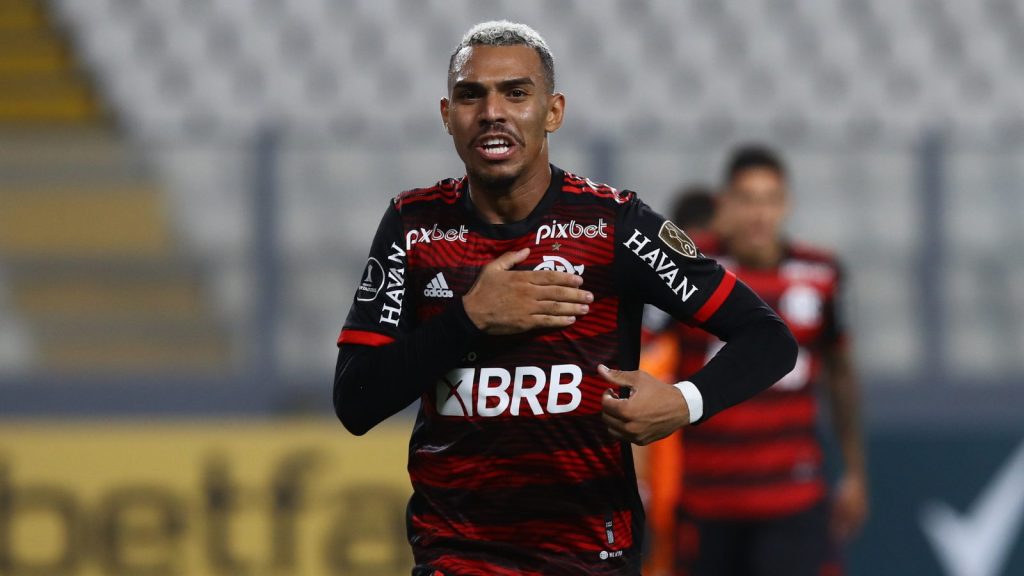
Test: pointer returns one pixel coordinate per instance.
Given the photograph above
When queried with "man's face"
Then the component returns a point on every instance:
(499, 111)
(755, 208)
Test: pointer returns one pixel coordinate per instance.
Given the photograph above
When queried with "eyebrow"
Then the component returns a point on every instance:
(503, 85)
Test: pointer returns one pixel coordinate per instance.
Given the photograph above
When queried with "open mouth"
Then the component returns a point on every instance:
(495, 147)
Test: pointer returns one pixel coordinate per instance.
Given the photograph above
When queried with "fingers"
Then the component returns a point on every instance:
(846, 525)
(509, 259)
(613, 406)
(846, 520)
(544, 321)
(616, 427)
(512, 301)
(841, 528)
(563, 294)
(561, 309)
(553, 278)
(614, 422)
(620, 428)
(615, 376)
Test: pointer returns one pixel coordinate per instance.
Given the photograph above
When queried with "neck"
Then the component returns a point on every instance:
(758, 258)
(502, 203)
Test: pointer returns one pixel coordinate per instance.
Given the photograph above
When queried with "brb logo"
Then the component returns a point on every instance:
(490, 392)
(571, 229)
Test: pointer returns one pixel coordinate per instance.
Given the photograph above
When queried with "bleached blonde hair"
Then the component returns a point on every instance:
(504, 33)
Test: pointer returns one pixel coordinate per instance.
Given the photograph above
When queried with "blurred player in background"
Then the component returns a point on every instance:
(499, 299)
(695, 209)
(749, 486)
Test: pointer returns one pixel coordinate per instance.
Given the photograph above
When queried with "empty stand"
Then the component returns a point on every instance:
(238, 63)
(93, 279)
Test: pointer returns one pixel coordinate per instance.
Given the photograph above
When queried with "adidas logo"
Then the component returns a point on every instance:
(438, 288)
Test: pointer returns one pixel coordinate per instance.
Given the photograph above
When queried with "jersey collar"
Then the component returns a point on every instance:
(512, 229)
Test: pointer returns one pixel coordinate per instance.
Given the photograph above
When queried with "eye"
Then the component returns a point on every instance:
(517, 93)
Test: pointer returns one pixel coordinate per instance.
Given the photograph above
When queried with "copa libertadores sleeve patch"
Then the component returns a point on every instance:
(674, 237)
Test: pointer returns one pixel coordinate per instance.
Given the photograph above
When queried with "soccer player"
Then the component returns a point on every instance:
(753, 500)
(695, 209)
(509, 301)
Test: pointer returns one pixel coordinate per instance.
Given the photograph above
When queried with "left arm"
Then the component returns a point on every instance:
(844, 396)
(850, 506)
(660, 265)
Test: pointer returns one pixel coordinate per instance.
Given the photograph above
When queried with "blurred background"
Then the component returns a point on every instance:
(188, 189)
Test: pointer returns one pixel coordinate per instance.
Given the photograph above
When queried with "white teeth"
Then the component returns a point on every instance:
(496, 145)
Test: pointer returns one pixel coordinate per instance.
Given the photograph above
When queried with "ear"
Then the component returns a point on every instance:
(556, 111)
(444, 115)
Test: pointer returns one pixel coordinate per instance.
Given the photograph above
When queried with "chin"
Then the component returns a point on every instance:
(498, 175)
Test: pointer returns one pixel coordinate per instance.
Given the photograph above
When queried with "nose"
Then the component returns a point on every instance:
(493, 111)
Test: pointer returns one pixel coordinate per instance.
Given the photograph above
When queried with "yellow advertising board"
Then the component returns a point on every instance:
(194, 499)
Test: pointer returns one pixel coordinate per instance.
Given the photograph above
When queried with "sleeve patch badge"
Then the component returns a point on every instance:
(674, 237)
(373, 281)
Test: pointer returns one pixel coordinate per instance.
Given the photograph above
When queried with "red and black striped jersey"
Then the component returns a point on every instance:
(512, 468)
(763, 457)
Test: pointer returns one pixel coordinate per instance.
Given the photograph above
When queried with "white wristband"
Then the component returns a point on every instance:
(694, 401)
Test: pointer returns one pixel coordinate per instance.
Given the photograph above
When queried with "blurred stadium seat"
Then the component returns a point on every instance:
(173, 66)
(93, 279)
